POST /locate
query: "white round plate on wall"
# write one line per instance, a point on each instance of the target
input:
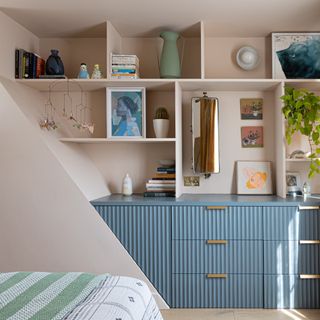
(248, 58)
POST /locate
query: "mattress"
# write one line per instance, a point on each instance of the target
(74, 296)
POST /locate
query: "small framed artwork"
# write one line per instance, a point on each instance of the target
(126, 113)
(295, 55)
(252, 137)
(251, 109)
(293, 183)
(254, 177)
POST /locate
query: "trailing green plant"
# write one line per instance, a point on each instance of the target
(302, 111)
(161, 113)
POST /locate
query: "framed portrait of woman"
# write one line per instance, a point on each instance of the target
(126, 113)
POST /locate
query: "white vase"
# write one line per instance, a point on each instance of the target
(161, 128)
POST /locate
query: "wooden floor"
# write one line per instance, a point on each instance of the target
(240, 314)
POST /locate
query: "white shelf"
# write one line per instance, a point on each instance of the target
(110, 140)
(299, 160)
(96, 84)
(229, 84)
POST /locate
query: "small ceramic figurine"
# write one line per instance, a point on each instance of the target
(96, 73)
(83, 73)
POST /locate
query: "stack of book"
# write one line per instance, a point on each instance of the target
(28, 65)
(124, 66)
(163, 184)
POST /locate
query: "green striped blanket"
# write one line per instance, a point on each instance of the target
(43, 295)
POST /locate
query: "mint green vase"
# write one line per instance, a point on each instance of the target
(170, 62)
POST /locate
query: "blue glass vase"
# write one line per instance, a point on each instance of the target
(170, 62)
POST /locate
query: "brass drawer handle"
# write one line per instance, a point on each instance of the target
(309, 241)
(217, 207)
(216, 276)
(309, 276)
(309, 207)
(217, 242)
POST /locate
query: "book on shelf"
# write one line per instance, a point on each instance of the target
(124, 76)
(160, 186)
(159, 194)
(166, 170)
(167, 181)
(165, 175)
(124, 71)
(28, 65)
(130, 59)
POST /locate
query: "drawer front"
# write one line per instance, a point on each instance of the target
(199, 222)
(291, 257)
(230, 256)
(290, 223)
(234, 291)
(289, 291)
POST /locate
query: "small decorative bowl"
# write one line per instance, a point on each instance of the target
(248, 58)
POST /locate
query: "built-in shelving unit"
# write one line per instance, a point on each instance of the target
(208, 64)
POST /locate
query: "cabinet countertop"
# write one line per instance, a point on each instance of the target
(207, 199)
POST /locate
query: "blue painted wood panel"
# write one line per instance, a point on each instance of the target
(237, 256)
(145, 232)
(198, 222)
(290, 257)
(289, 291)
(236, 291)
(288, 223)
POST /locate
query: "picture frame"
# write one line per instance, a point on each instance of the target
(254, 177)
(251, 108)
(126, 113)
(252, 137)
(295, 55)
(293, 183)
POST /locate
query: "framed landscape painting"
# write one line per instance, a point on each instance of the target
(254, 177)
(125, 113)
(296, 55)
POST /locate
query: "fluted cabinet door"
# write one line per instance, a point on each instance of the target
(145, 232)
(291, 257)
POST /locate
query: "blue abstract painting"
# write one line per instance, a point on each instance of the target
(296, 56)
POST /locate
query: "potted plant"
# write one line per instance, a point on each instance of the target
(302, 111)
(161, 123)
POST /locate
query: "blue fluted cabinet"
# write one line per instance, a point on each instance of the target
(145, 232)
(291, 257)
(202, 255)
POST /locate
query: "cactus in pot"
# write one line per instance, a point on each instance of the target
(161, 123)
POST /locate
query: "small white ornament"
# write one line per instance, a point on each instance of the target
(127, 186)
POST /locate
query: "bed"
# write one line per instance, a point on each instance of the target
(74, 296)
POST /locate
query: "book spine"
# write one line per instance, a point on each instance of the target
(21, 65)
(159, 194)
(165, 175)
(171, 181)
(31, 65)
(38, 67)
(121, 71)
(124, 66)
(166, 170)
(16, 64)
(161, 185)
(26, 60)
